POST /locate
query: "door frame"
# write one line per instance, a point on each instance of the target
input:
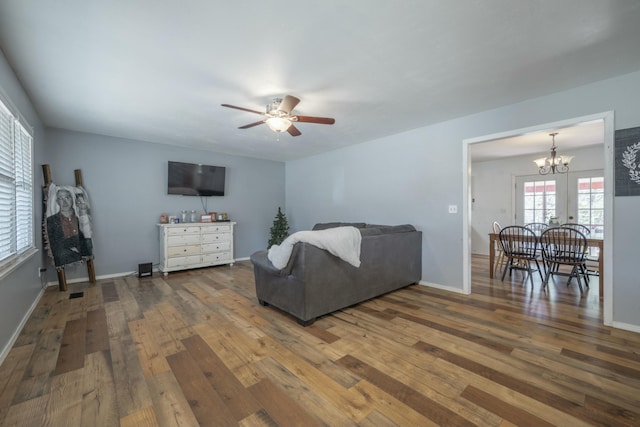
(609, 135)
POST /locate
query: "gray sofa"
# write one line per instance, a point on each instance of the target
(315, 282)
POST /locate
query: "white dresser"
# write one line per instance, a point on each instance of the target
(194, 245)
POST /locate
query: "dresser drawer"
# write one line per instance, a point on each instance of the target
(216, 258)
(174, 251)
(222, 228)
(184, 261)
(216, 247)
(194, 229)
(183, 239)
(217, 237)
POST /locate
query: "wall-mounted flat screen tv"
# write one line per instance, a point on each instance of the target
(190, 179)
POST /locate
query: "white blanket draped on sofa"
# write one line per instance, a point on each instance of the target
(343, 242)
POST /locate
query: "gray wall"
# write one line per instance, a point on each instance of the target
(406, 178)
(413, 176)
(19, 290)
(127, 185)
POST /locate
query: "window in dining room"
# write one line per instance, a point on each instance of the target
(590, 199)
(539, 199)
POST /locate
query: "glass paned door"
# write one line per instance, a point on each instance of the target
(586, 202)
(539, 201)
(539, 198)
(572, 197)
(590, 203)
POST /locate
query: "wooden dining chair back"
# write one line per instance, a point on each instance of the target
(580, 227)
(520, 250)
(591, 258)
(500, 259)
(537, 227)
(564, 246)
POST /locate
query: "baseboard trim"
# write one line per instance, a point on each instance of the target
(115, 275)
(443, 287)
(7, 348)
(106, 276)
(626, 326)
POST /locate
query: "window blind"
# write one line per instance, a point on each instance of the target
(16, 187)
(24, 188)
(7, 195)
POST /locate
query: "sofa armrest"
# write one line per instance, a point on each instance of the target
(261, 259)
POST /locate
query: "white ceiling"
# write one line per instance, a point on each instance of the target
(538, 144)
(158, 70)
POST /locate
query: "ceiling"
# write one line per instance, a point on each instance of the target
(158, 70)
(568, 139)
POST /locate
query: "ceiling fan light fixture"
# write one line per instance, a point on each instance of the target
(272, 108)
(279, 118)
(278, 124)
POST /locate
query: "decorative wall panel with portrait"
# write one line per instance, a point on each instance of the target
(67, 228)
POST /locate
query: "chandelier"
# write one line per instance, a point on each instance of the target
(553, 163)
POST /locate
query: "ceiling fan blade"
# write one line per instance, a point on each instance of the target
(288, 103)
(243, 109)
(321, 120)
(293, 131)
(250, 125)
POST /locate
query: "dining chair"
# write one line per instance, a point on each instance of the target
(500, 260)
(537, 227)
(564, 246)
(580, 227)
(591, 270)
(520, 249)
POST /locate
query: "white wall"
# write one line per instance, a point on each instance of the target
(413, 176)
(492, 191)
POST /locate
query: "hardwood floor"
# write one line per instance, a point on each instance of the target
(196, 348)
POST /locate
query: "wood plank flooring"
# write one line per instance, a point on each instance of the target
(196, 348)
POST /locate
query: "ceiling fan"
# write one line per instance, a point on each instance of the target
(279, 118)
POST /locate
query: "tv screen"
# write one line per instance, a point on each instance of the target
(189, 179)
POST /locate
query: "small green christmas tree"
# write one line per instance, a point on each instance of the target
(280, 229)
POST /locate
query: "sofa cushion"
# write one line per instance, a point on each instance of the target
(386, 229)
(325, 225)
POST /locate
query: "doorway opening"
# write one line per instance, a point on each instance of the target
(607, 120)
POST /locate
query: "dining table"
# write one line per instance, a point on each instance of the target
(594, 241)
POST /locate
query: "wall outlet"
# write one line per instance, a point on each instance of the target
(453, 208)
